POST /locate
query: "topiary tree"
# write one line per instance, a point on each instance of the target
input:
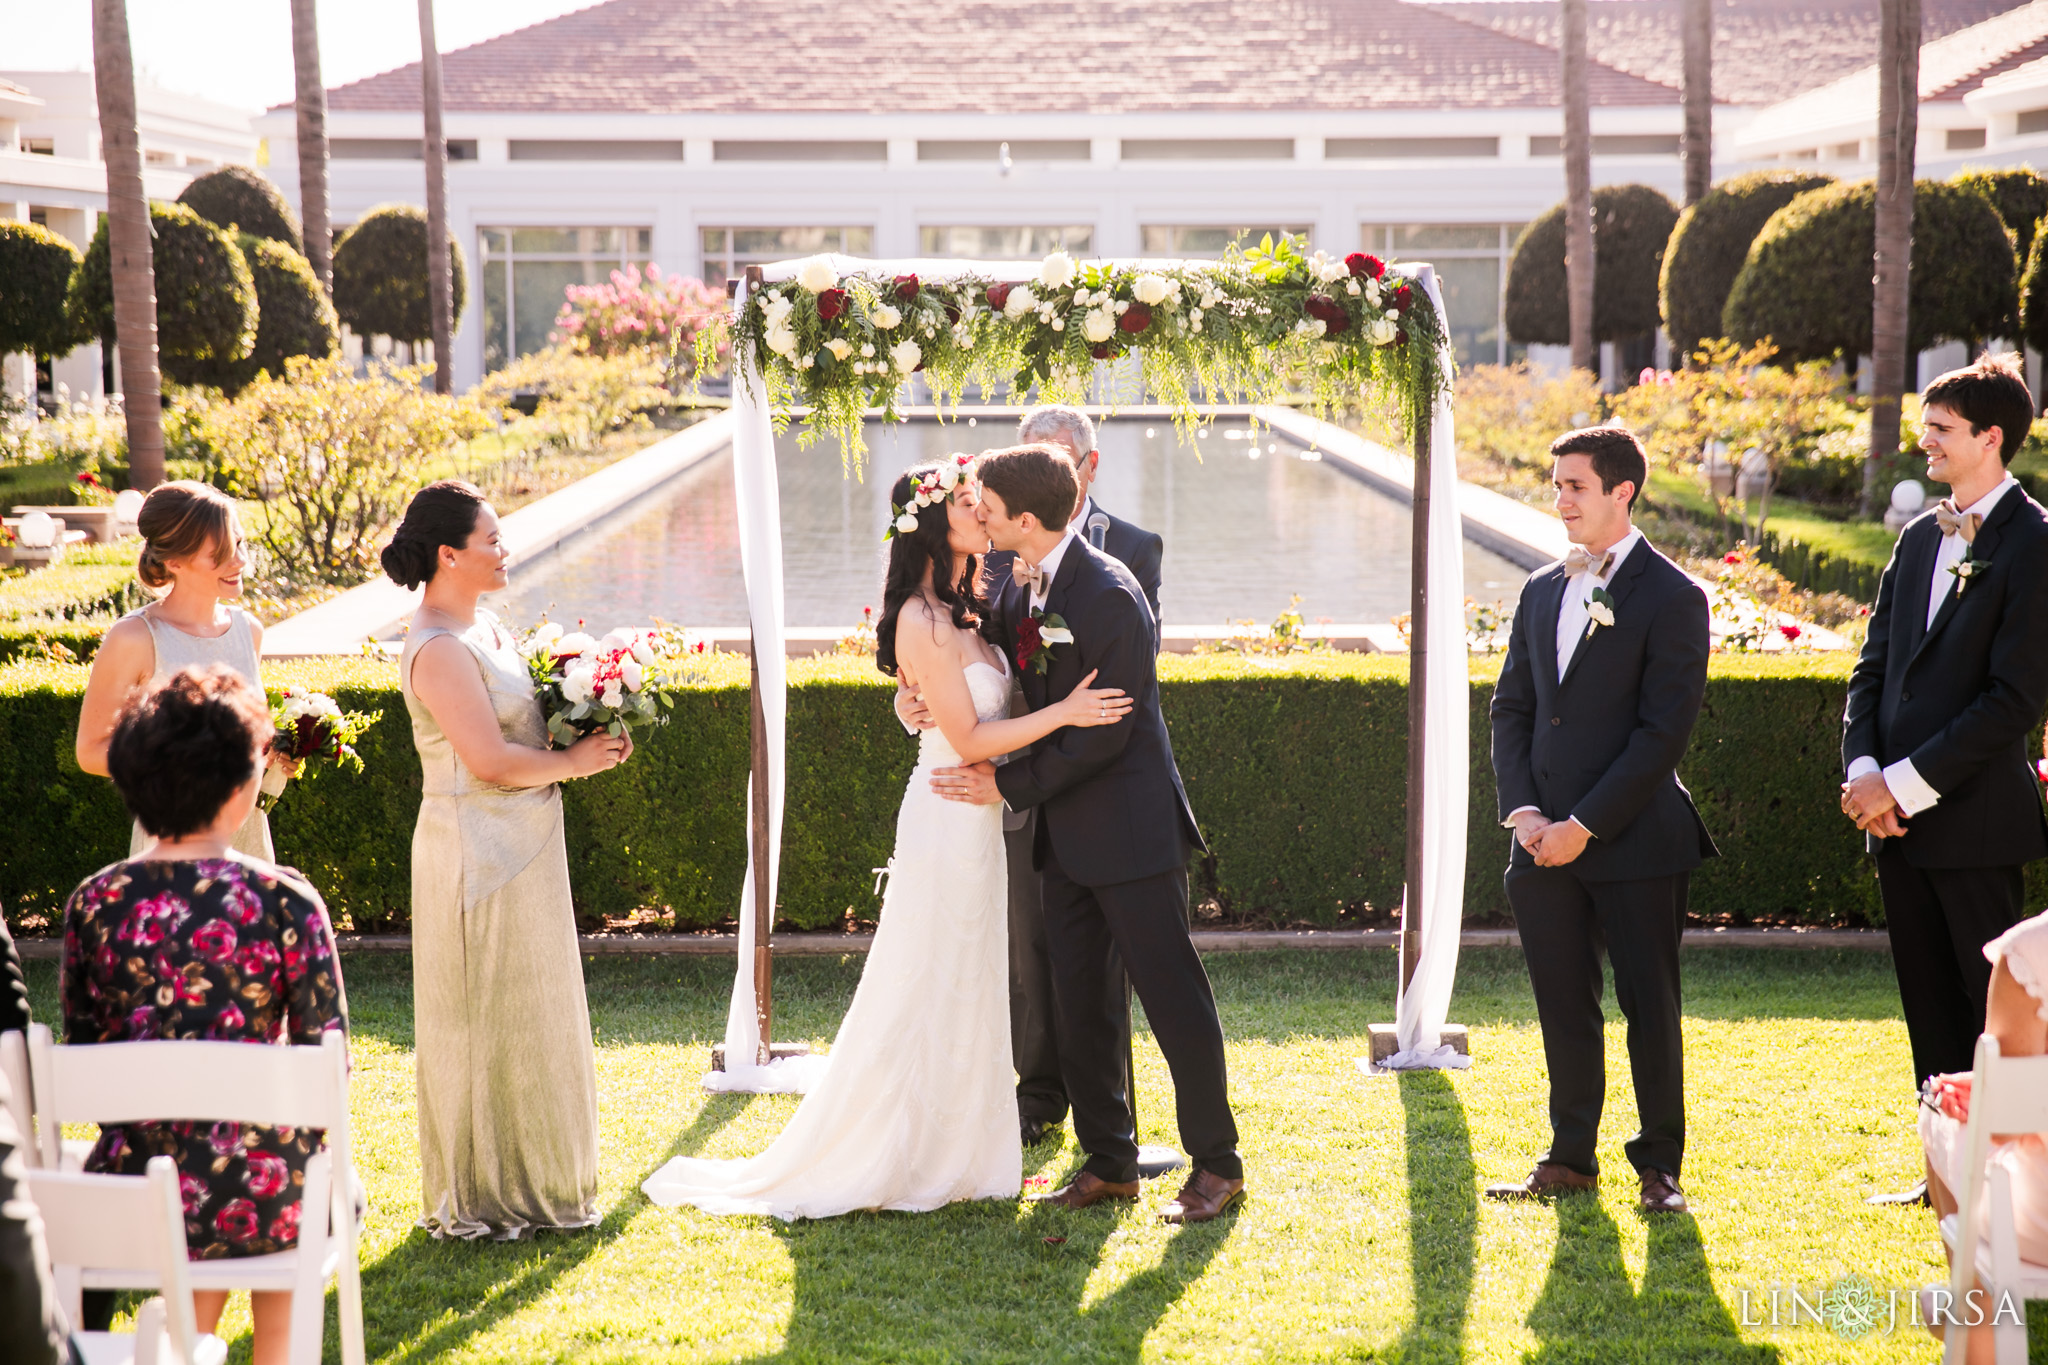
(294, 316)
(380, 275)
(1710, 243)
(1807, 282)
(2034, 294)
(205, 295)
(1631, 224)
(237, 198)
(2020, 196)
(36, 266)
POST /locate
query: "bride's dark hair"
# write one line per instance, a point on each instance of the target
(910, 554)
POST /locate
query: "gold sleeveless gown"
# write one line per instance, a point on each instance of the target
(507, 1074)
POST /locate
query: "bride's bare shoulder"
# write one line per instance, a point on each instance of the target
(923, 627)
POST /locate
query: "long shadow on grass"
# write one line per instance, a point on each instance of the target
(1443, 1217)
(1590, 1312)
(409, 1293)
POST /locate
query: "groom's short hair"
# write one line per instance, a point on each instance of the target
(1035, 479)
(1616, 453)
(1991, 393)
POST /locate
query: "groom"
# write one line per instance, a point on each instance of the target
(1112, 843)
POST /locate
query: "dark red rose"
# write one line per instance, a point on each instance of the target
(237, 1222)
(1400, 336)
(1027, 641)
(1101, 352)
(831, 304)
(89, 478)
(1136, 319)
(1361, 264)
(1327, 311)
(952, 312)
(906, 287)
(1403, 296)
(998, 295)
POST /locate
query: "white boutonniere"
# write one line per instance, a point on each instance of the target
(1967, 568)
(1600, 607)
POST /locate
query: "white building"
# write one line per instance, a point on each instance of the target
(51, 170)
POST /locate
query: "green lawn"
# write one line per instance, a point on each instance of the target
(1865, 542)
(1364, 1238)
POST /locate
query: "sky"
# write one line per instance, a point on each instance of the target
(240, 51)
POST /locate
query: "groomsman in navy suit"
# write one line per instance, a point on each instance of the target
(1951, 682)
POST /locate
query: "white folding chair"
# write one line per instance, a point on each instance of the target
(14, 1071)
(297, 1087)
(133, 1224)
(2007, 1095)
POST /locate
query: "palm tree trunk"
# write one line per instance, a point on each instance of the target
(1578, 189)
(128, 234)
(1699, 99)
(312, 111)
(440, 282)
(1898, 129)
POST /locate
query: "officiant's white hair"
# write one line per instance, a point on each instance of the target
(1070, 425)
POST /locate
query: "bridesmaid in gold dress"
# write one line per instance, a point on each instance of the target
(506, 1071)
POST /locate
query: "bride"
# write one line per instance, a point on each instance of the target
(917, 1106)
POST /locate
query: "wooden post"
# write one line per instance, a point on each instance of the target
(1418, 702)
(764, 904)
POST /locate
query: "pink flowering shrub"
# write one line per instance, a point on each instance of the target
(634, 310)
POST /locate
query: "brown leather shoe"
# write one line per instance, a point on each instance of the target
(1661, 1193)
(1205, 1196)
(1086, 1191)
(1547, 1181)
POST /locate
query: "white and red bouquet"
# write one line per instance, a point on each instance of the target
(621, 682)
(310, 726)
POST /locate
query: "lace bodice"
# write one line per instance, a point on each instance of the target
(989, 687)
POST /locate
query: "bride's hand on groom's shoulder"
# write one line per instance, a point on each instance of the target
(1089, 706)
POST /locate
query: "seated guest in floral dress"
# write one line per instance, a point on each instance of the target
(191, 939)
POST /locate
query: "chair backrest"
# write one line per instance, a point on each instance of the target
(298, 1087)
(2007, 1095)
(14, 1080)
(119, 1222)
(2014, 1092)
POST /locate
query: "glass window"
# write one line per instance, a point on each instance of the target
(1208, 242)
(525, 269)
(1003, 243)
(1471, 261)
(728, 250)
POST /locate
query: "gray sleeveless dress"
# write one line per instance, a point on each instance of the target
(506, 1070)
(237, 649)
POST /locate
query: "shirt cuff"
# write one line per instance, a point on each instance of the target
(1582, 825)
(1509, 823)
(1864, 767)
(1910, 789)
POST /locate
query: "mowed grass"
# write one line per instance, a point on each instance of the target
(1364, 1237)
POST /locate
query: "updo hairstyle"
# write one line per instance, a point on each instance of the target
(440, 514)
(183, 746)
(178, 520)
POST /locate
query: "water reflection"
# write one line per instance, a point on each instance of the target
(1246, 526)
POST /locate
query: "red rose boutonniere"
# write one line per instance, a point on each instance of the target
(1036, 635)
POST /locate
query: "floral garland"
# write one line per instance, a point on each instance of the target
(1264, 325)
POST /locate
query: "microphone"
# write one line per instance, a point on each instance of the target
(1098, 527)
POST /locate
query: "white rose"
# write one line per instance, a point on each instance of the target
(1352, 289)
(1098, 326)
(1056, 271)
(1600, 612)
(1311, 327)
(1020, 302)
(817, 275)
(963, 336)
(782, 341)
(612, 696)
(630, 670)
(949, 478)
(906, 355)
(615, 639)
(867, 350)
(577, 685)
(1149, 289)
(885, 318)
(1195, 317)
(776, 310)
(548, 633)
(1059, 324)
(1381, 332)
(643, 651)
(1372, 291)
(575, 643)
(840, 347)
(906, 523)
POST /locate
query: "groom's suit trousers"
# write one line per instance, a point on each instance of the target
(1563, 920)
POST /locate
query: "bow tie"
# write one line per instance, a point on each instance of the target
(1578, 561)
(1954, 523)
(1026, 575)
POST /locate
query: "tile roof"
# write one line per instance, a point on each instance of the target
(1764, 50)
(1066, 56)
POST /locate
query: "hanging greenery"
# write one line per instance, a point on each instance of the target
(1264, 325)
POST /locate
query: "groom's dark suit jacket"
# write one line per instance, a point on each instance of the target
(1959, 697)
(1140, 551)
(1603, 742)
(1111, 801)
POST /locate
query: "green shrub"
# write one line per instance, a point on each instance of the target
(2034, 295)
(1806, 284)
(36, 266)
(205, 295)
(1631, 224)
(380, 275)
(2020, 196)
(1295, 771)
(240, 199)
(92, 581)
(1710, 243)
(295, 316)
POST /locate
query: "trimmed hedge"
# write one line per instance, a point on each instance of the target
(1631, 224)
(240, 199)
(380, 275)
(205, 295)
(1711, 242)
(1806, 284)
(1294, 767)
(2034, 295)
(294, 315)
(2020, 195)
(36, 266)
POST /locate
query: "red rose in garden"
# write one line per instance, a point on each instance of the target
(831, 304)
(1027, 641)
(1327, 311)
(998, 295)
(1135, 319)
(237, 1222)
(1361, 264)
(89, 479)
(906, 287)
(1731, 558)
(1789, 632)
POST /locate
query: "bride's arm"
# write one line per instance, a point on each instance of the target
(927, 646)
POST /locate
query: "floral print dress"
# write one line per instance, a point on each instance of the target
(206, 949)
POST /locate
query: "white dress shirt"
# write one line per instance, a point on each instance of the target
(1079, 525)
(1907, 787)
(1050, 565)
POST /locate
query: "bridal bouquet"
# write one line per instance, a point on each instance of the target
(309, 726)
(621, 682)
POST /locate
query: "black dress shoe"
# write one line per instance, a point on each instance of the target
(1033, 1131)
(1660, 1193)
(1903, 1199)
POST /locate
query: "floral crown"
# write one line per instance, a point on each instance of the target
(929, 490)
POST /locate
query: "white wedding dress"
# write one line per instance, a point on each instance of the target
(917, 1106)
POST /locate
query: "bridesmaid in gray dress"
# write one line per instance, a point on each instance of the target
(506, 1071)
(192, 546)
